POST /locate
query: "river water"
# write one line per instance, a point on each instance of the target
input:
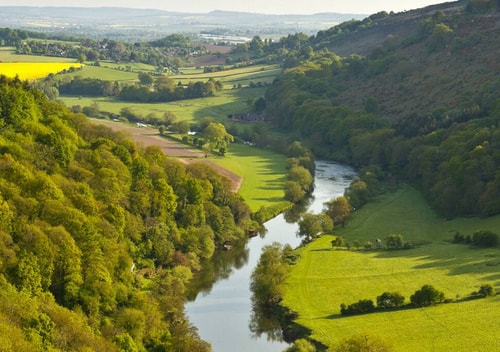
(221, 306)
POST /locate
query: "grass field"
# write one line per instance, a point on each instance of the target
(234, 77)
(7, 54)
(218, 107)
(325, 278)
(263, 174)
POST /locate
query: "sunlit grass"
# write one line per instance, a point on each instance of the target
(263, 174)
(193, 110)
(324, 278)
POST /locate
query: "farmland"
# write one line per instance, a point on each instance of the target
(33, 70)
(324, 278)
(29, 67)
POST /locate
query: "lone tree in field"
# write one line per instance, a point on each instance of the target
(427, 296)
(216, 137)
(312, 225)
(339, 210)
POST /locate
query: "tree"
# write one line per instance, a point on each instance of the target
(269, 277)
(390, 300)
(312, 225)
(339, 209)
(394, 241)
(169, 118)
(486, 290)
(338, 241)
(293, 192)
(427, 296)
(181, 127)
(484, 238)
(146, 79)
(302, 176)
(301, 345)
(216, 136)
(363, 343)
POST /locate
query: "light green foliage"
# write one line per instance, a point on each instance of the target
(363, 343)
(216, 136)
(84, 215)
(339, 210)
(269, 277)
(301, 345)
(312, 225)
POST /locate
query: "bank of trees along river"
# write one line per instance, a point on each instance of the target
(99, 236)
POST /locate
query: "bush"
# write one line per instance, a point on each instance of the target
(390, 300)
(483, 238)
(485, 291)
(427, 296)
(360, 307)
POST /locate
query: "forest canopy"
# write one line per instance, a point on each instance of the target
(98, 237)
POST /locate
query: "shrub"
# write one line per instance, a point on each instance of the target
(485, 291)
(360, 307)
(427, 296)
(390, 300)
(483, 238)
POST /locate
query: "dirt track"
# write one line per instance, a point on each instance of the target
(148, 136)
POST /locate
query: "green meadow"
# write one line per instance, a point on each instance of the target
(263, 174)
(193, 110)
(7, 54)
(324, 278)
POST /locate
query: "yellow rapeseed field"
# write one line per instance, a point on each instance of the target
(33, 70)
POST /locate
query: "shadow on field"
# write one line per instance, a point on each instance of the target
(455, 259)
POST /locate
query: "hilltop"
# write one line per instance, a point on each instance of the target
(149, 24)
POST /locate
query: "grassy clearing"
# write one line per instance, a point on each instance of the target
(263, 172)
(324, 278)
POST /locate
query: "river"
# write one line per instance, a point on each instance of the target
(221, 305)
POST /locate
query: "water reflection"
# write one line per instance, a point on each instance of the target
(265, 323)
(293, 214)
(220, 267)
(220, 298)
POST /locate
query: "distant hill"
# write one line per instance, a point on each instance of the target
(130, 23)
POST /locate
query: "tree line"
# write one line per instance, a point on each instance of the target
(426, 296)
(161, 89)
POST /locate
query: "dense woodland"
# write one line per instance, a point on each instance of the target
(86, 219)
(422, 108)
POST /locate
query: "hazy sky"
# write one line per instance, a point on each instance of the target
(258, 6)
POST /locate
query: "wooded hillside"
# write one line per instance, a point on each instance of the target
(422, 106)
(98, 237)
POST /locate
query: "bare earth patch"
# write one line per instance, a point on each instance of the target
(144, 136)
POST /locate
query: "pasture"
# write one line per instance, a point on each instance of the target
(233, 77)
(7, 54)
(263, 174)
(193, 110)
(325, 277)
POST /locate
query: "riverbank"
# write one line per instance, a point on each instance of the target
(324, 278)
(222, 308)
